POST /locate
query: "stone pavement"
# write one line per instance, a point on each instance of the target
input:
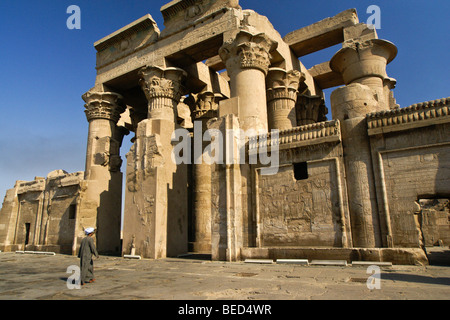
(43, 277)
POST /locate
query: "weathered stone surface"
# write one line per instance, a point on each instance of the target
(125, 41)
(282, 89)
(369, 183)
(42, 214)
(180, 14)
(322, 34)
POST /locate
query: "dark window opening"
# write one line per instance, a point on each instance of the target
(301, 171)
(27, 233)
(72, 211)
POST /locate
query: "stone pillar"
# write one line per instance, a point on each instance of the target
(203, 107)
(363, 68)
(282, 90)
(103, 195)
(155, 218)
(227, 216)
(247, 59)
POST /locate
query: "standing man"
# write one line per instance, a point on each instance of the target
(87, 249)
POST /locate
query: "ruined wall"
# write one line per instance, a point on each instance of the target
(411, 156)
(42, 214)
(8, 218)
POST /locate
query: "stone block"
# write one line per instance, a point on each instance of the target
(293, 261)
(259, 261)
(322, 34)
(229, 106)
(370, 263)
(341, 263)
(129, 256)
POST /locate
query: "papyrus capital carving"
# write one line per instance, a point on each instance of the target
(103, 105)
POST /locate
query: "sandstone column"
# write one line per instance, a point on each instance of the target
(203, 107)
(247, 59)
(102, 206)
(282, 90)
(363, 67)
(155, 219)
(365, 63)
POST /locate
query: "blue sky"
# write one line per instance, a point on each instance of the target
(46, 67)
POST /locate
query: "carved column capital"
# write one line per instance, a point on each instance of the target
(281, 90)
(310, 109)
(282, 84)
(103, 105)
(363, 59)
(248, 51)
(162, 87)
(203, 105)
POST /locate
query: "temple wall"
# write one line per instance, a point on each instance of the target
(42, 214)
(304, 203)
(300, 212)
(411, 166)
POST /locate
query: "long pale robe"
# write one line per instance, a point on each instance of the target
(87, 250)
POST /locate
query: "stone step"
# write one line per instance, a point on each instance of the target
(328, 263)
(259, 261)
(36, 252)
(129, 256)
(371, 263)
(293, 261)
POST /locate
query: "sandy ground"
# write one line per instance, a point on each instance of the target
(42, 277)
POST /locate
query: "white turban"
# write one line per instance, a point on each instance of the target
(89, 230)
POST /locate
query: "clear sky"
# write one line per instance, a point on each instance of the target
(45, 67)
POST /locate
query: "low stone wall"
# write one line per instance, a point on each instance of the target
(399, 256)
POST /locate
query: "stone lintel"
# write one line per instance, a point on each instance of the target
(31, 186)
(325, 77)
(141, 24)
(182, 48)
(215, 63)
(179, 14)
(322, 34)
(56, 178)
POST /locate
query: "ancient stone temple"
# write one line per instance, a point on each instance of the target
(233, 153)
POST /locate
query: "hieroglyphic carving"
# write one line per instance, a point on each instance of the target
(141, 163)
(296, 213)
(140, 34)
